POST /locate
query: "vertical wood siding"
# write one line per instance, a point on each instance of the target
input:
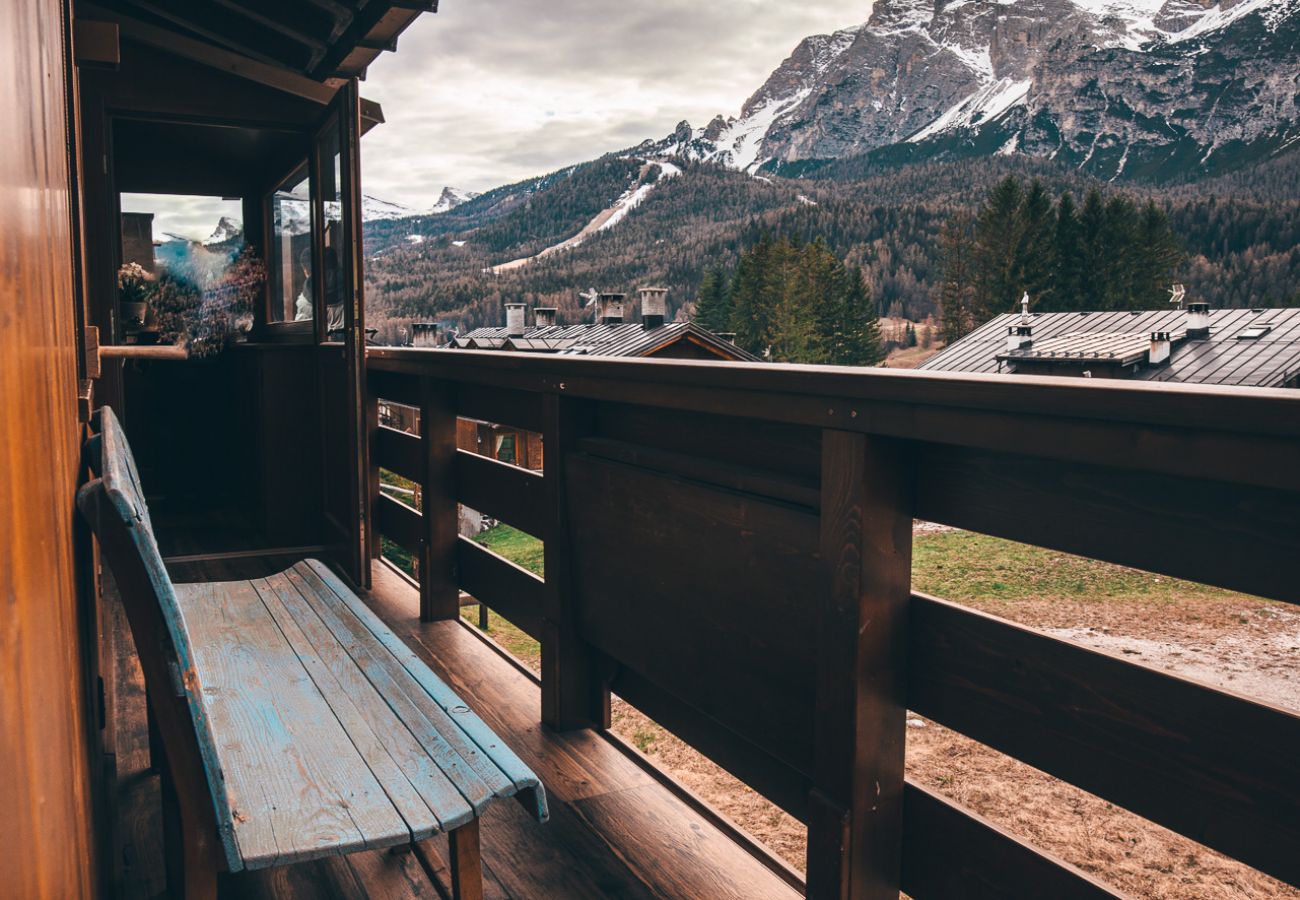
(44, 773)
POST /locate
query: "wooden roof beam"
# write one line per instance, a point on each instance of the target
(363, 28)
(271, 75)
(206, 21)
(273, 19)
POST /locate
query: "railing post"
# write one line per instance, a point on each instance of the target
(572, 694)
(439, 593)
(374, 546)
(855, 806)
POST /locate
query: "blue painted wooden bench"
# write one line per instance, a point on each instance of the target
(294, 724)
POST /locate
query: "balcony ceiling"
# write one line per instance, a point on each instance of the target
(321, 39)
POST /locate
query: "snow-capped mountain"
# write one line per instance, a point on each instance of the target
(227, 230)
(452, 198)
(373, 209)
(1118, 87)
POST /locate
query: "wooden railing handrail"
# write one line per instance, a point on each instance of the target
(785, 495)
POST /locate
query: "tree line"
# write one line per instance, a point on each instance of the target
(1106, 254)
(793, 301)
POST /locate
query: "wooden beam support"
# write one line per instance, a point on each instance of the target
(96, 44)
(572, 695)
(855, 806)
(439, 593)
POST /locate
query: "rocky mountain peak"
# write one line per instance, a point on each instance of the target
(1118, 87)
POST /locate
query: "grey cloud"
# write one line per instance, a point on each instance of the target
(564, 82)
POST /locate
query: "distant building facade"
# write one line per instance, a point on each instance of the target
(1250, 347)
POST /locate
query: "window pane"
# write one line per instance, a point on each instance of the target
(332, 195)
(290, 250)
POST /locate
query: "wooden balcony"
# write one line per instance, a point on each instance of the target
(785, 495)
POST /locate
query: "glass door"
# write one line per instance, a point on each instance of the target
(339, 329)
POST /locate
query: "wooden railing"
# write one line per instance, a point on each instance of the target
(727, 547)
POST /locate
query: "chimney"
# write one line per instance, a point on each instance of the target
(424, 334)
(654, 306)
(728, 336)
(1160, 344)
(516, 319)
(544, 316)
(609, 309)
(1198, 320)
(1020, 337)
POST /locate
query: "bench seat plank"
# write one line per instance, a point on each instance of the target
(514, 772)
(423, 794)
(296, 784)
(394, 761)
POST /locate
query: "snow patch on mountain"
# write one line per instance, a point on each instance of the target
(373, 209)
(451, 198)
(227, 230)
(985, 105)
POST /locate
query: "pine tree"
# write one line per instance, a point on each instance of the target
(1159, 253)
(1067, 276)
(1092, 252)
(999, 233)
(713, 303)
(1036, 253)
(957, 290)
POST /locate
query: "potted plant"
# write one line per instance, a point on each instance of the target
(135, 289)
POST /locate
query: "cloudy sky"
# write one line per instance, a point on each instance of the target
(487, 92)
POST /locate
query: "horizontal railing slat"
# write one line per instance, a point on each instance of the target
(520, 408)
(949, 852)
(502, 491)
(399, 523)
(399, 388)
(1215, 767)
(501, 586)
(400, 453)
(1227, 535)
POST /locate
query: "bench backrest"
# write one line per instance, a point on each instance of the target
(114, 505)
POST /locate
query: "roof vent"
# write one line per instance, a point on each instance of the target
(1020, 337)
(1255, 332)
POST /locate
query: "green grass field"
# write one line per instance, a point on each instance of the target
(991, 574)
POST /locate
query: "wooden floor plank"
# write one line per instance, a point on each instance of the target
(407, 775)
(296, 784)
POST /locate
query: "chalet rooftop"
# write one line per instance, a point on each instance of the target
(1249, 347)
(590, 339)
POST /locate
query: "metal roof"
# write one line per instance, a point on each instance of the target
(629, 339)
(1228, 356)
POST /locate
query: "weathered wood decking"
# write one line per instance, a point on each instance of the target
(614, 831)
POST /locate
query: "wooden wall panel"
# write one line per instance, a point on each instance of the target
(44, 770)
(675, 578)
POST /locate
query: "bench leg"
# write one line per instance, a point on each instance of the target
(466, 864)
(191, 857)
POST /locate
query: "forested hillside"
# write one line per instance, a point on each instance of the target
(1240, 235)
